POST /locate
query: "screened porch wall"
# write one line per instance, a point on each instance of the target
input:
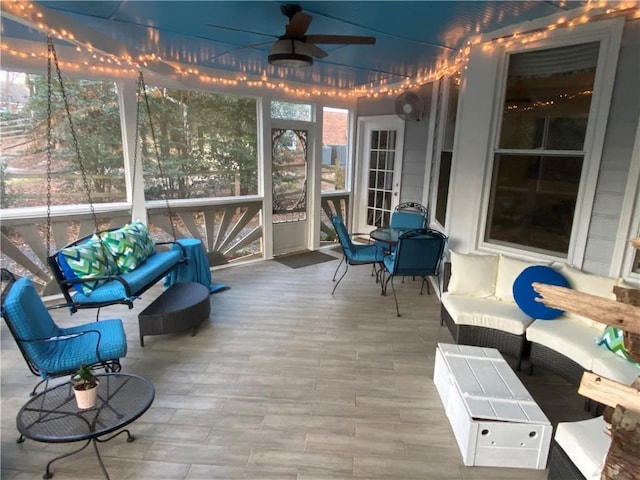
(230, 230)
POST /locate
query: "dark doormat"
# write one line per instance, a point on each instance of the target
(299, 260)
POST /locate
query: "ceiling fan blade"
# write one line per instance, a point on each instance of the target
(298, 25)
(341, 39)
(291, 45)
(235, 49)
(315, 51)
(233, 29)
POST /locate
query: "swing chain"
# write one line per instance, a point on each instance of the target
(74, 136)
(142, 90)
(49, 143)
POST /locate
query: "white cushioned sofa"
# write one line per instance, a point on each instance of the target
(478, 308)
(579, 450)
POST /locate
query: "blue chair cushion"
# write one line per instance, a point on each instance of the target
(363, 254)
(54, 350)
(152, 268)
(525, 296)
(72, 351)
(29, 319)
(407, 220)
(389, 261)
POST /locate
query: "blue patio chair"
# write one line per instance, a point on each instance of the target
(418, 253)
(49, 350)
(409, 215)
(354, 254)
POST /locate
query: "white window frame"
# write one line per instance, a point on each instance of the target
(609, 34)
(443, 94)
(624, 252)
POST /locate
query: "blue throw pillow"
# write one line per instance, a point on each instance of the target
(525, 296)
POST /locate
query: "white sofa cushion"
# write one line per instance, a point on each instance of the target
(486, 312)
(616, 368)
(472, 274)
(586, 443)
(570, 337)
(508, 270)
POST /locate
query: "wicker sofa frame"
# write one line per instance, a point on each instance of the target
(506, 343)
(560, 465)
(545, 357)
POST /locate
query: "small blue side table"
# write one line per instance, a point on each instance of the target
(195, 268)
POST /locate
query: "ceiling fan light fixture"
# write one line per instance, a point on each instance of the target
(288, 52)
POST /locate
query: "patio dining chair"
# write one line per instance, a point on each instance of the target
(409, 215)
(354, 254)
(49, 350)
(418, 253)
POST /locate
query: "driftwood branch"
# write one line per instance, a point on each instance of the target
(609, 392)
(603, 310)
(623, 461)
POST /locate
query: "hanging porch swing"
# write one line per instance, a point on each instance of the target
(112, 266)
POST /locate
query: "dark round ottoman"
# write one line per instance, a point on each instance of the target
(181, 306)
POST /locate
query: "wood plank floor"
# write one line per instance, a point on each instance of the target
(284, 381)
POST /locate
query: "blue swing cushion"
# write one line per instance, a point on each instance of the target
(90, 259)
(525, 296)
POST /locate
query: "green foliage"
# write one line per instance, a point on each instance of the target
(84, 378)
(207, 144)
(95, 117)
(7, 196)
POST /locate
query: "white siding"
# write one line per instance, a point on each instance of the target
(616, 156)
(415, 142)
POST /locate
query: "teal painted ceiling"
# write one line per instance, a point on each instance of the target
(412, 37)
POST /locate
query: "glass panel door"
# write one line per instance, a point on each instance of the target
(379, 170)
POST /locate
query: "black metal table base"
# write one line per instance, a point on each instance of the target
(48, 473)
(53, 416)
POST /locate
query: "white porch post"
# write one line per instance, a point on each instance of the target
(128, 107)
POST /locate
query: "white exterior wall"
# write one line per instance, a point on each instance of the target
(473, 152)
(471, 149)
(616, 158)
(412, 185)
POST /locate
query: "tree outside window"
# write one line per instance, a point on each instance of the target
(207, 145)
(95, 117)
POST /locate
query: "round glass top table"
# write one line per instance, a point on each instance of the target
(53, 416)
(388, 235)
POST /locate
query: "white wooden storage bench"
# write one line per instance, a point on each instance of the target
(495, 420)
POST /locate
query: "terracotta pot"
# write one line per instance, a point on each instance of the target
(86, 398)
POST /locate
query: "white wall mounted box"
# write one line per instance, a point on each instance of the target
(495, 420)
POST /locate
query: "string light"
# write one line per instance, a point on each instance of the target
(126, 65)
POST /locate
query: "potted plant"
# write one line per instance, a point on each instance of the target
(84, 386)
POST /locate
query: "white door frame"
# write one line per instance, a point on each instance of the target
(361, 178)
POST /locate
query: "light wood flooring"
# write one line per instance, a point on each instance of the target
(284, 381)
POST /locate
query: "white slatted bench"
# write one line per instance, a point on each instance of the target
(495, 420)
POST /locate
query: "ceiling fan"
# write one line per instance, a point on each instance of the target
(296, 49)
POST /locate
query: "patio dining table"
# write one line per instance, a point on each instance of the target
(388, 235)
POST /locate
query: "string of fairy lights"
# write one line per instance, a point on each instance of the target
(124, 65)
